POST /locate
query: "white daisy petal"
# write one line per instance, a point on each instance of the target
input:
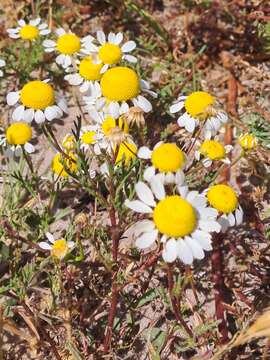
(60, 31)
(74, 79)
(21, 22)
(144, 153)
(114, 109)
(208, 225)
(50, 113)
(138, 206)
(149, 173)
(39, 117)
(195, 248)
(111, 37)
(28, 115)
(239, 216)
(203, 238)
(45, 32)
(231, 219)
(130, 58)
(176, 107)
(18, 113)
(157, 187)
(144, 104)
(50, 237)
(184, 252)
(224, 223)
(101, 37)
(118, 38)
(44, 245)
(49, 43)
(145, 194)
(35, 22)
(13, 97)
(147, 239)
(169, 252)
(29, 148)
(142, 227)
(104, 68)
(128, 46)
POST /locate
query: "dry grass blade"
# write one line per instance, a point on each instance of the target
(260, 328)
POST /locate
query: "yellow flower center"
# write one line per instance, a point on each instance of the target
(29, 32)
(120, 84)
(167, 158)
(89, 70)
(110, 123)
(126, 152)
(213, 150)
(197, 104)
(59, 164)
(223, 198)
(59, 248)
(110, 53)
(174, 216)
(68, 44)
(88, 137)
(247, 142)
(69, 142)
(18, 133)
(37, 95)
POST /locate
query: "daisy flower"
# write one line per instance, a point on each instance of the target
(110, 52)
(68, 45)
(211, 151)
(248, 142)
(87, 73)
(60, 164)
(197, 109)
(224, 199)
(30, 31)
(182, 222)
(58, 248)
(38, 102)
(2, 64)
(17, 137)
(118, 87)
(166, 158)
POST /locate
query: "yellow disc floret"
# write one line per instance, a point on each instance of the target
(59, 249)
(247, 142)
(29, 32)
(213, 149)
(223, 198)
(89, 70)
(197, 103)
(88, 137)
(120, 84)
(69, 142)
(18, 133)
(167, 158)
(110, 123)
(110, 53)
(126, 152)
(60, 162)
(68, 44)
(37, 95)
(174, 216)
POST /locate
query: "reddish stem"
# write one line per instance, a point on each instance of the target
(218, 280)
(174, 301)
(112, 313)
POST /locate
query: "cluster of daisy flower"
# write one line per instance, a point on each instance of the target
(115, 98)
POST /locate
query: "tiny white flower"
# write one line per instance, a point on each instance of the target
(29, 31)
